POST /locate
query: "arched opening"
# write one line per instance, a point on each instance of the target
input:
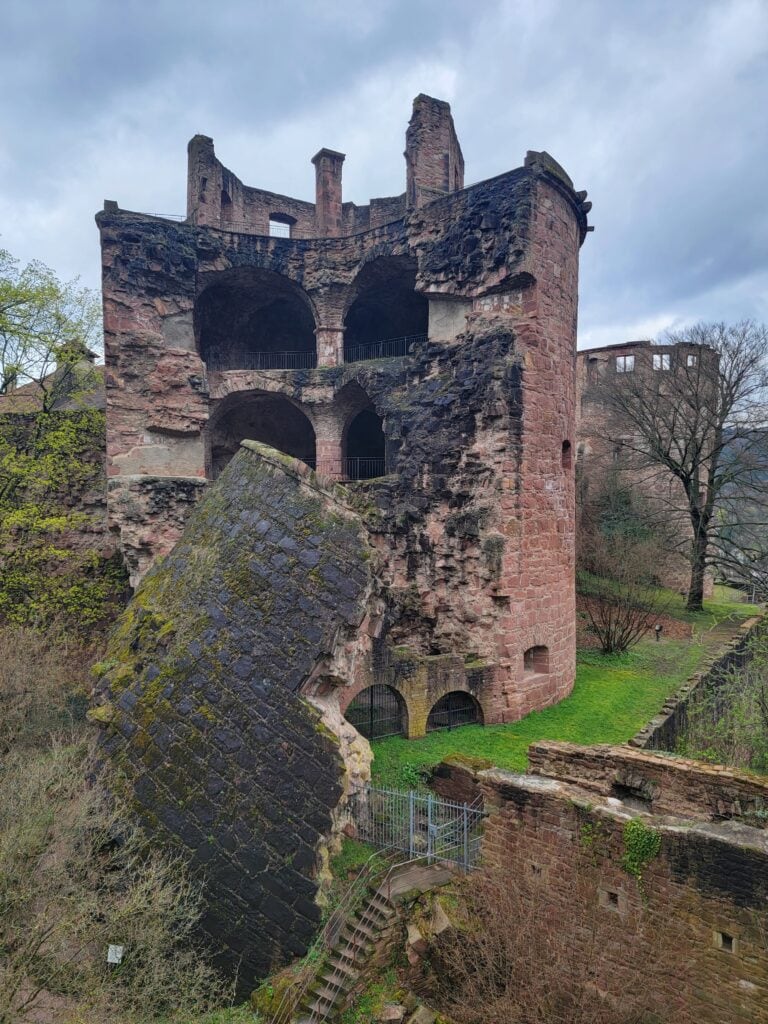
(255, 320)
(378, 711)
(536, 660)
(387, 316)
(455, 709)
(271, 419)
(565, 456)
(364, 447)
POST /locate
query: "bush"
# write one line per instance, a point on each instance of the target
(729, 723)
(76, 875)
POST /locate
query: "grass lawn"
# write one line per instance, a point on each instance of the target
(614, 696)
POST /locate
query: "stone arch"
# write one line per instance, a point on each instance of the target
(378, 711)
(384, 306)
(363, 441)
(249, 318)
(454, 709)
(264, 416)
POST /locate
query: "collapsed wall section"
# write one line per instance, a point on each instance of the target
(200, 704)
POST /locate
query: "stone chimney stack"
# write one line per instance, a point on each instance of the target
(433, 159)
(328, 192)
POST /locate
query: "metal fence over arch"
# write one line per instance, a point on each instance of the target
(419, 825)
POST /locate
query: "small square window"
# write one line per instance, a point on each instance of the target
(661, 361)
(610, 899)
(725, 941)
(625, 364)
(691, 359)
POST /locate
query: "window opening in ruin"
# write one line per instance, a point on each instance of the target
(625, 364)
(378, 711)
(725, 942)
(387, 317)
(255, 320)
(271, 419)
(454, 710)
(613, 899)
(536, 660)
(661, 360)
(364, 449)
(280, 225)
(565, 457)
(691, 360)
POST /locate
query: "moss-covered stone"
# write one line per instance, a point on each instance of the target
(199, 700)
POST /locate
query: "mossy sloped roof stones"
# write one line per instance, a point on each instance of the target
(221, 755)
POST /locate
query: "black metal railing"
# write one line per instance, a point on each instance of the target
(222, 360)
(452, 711)
(388, 348)
(349, 469)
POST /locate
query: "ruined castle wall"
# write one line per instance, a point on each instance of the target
(200, 704)
(683, 934)
(687, 940)
(475, 524)
(603, 461)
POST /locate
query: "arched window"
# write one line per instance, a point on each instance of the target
(364, 448)
(536, 660)
(565, 456)
(250, 319)
(378, 711)
(387, 315)
(453, 710)
(271, 419)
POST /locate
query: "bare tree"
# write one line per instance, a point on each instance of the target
(699, 410)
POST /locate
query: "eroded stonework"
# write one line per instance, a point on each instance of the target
(421, 349)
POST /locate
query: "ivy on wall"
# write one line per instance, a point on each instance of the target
(55, 560)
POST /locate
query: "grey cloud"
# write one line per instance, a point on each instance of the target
(656, 108)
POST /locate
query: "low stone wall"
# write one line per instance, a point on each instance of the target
(665, 730)
(682, 937)
(656, 783)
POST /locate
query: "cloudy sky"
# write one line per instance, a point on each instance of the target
(658, 107)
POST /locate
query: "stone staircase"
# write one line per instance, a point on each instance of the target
(358, 937)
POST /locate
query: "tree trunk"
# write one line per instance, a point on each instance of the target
(695, 602)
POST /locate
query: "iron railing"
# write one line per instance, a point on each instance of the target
(419, 825)
(377, 712)
(376, 869)
(454, 710)
(217, 359)
(350, 469)
(385, 349)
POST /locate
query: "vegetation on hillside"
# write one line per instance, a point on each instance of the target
(729, 723)
(76, 874)
(52, 563)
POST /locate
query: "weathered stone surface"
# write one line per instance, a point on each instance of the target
(221, 754)
(475, 525)
(685, 941)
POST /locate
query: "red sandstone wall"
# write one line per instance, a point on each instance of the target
(654, 946)
(538, 572)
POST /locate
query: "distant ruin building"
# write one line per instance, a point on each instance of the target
(604, 444)
(421, 351)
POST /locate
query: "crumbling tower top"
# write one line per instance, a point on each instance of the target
(433, 158)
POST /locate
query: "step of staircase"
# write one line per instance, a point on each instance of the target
(357, 941)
